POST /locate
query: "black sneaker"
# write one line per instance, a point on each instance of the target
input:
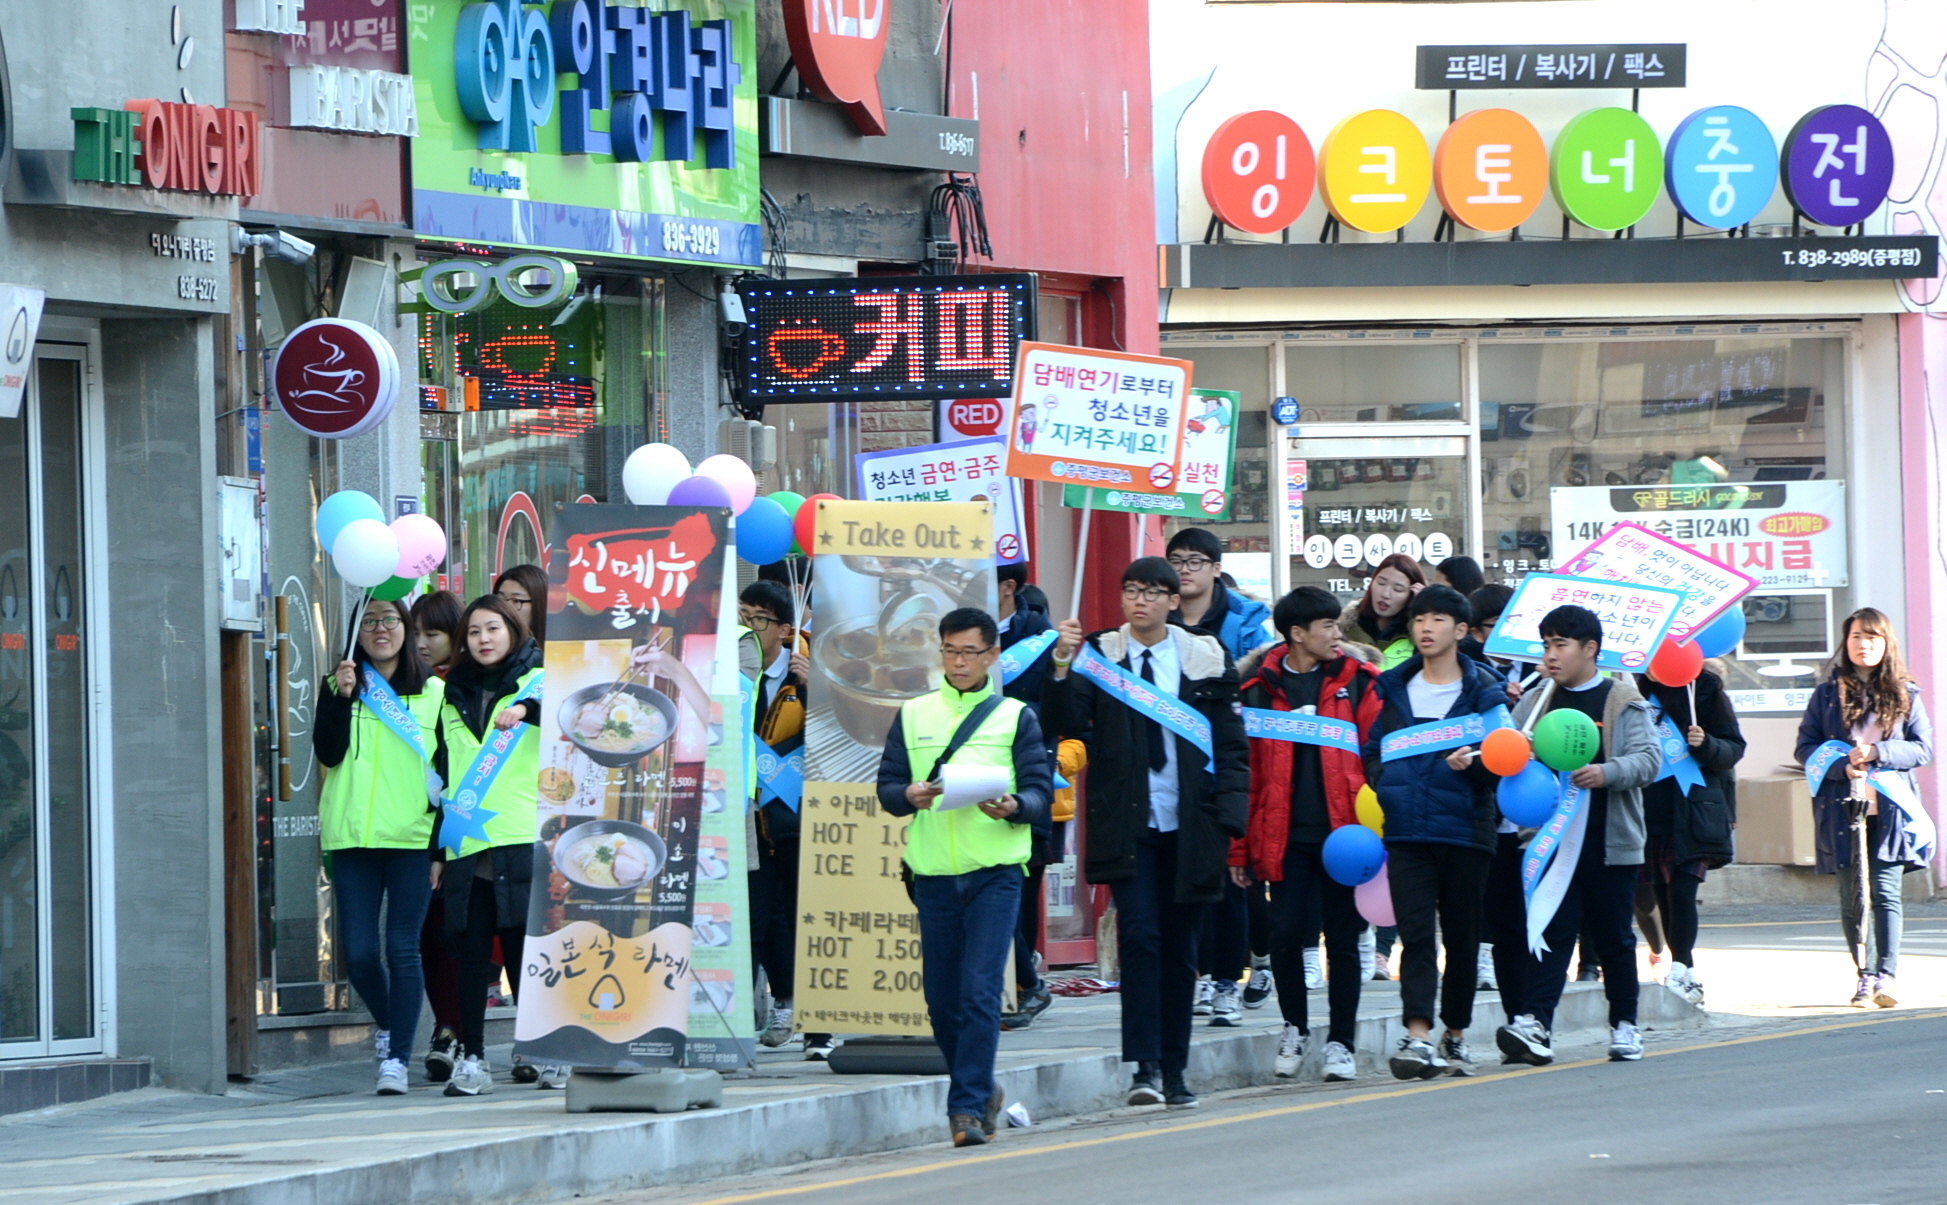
(1177, 1094)
(1033, 1004)
(1147, 1087)
(442, 1054)
(1588, 972)
(1258, 988)
(525, 1072)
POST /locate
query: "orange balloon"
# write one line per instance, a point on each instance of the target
(1505, 752)
(1491, 170)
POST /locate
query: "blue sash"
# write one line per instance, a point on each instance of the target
(1015, 661)
(1678, 763)
(1301, 728)
(1551, 858)
(780, 776)
(1145, 700)
(465, 816)
(382, 701)
(1440, 735)
(1891, 787)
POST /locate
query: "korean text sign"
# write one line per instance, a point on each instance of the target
(1785, 534)
(1634, 618)
(965, 470)
(1088, 417)
(859, 968)
(1631, 553)
(1204, 486)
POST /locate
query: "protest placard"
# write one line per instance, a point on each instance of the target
(1634, 618)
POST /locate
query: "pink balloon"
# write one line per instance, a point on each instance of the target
(733, 475)
(422, 544)
(699, 491)
(1375, 899)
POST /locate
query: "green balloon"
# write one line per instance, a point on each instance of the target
(394, 588)
(790, 502)
(1566, 740)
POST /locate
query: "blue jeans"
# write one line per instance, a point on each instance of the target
(965, 924)
(1883, 951)
(401, 879)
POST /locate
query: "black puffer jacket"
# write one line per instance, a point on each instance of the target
(1698, 821)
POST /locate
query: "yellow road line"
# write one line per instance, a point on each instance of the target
(1283, 1111)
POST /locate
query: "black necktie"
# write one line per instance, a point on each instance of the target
(1157, 758)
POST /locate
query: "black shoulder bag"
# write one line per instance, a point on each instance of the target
(961, 735)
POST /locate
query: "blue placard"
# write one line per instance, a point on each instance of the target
(1634, 618)
(1721, 166)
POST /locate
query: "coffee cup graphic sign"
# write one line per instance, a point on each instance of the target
(335, 378)
(837, 46)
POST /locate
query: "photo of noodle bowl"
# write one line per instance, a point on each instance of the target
(609, 856)
(616, 727)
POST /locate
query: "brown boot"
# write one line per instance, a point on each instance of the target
(992, 1122)
(966, 1130)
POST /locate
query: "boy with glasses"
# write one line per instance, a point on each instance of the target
(1167, 791)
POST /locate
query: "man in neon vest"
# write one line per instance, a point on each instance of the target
(967, 862)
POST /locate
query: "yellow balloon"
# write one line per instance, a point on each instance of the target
(1366, 806)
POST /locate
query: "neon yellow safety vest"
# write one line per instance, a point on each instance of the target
(515, 794)
(376, 797)
(964, 839)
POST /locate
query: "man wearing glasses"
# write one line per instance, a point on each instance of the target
(1240, 623)
(1163, 806)
(968, 858)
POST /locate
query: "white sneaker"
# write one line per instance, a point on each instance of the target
(778, 1032)
(1413, 1058)
(392, 1078)
(1683, 981)
(1291, 1051)
(1339, 1067)
(553, 1075)
(472, 1076)
(1459, 1059)
(1368, 954)
(1484, 970)
(1226, 1008)
(1206, 996)
(819, 1047)
(1314, 970)
(1525, 1040)
(1260, 985)
(1625, 1044)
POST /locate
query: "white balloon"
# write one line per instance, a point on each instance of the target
(651, 471)
(734, 476)
(366, 553)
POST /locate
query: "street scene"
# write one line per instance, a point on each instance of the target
(640, 602)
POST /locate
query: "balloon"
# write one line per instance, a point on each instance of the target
(698, 491)
(1528, 799)
(394, 588)
(791, 502)
(422, 545)
(733, 475)
(365, 552)
(1374, 898)
(341, 508)
(1722, 634)
(1370, 814)
(651, 471)
(806, 524)
(1505, 751)
(1353, 854)
(1566, 740)
(763, 532)
(1676, 664)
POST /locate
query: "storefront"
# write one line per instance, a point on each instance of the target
(1493, 334)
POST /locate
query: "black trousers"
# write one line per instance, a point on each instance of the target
(1504, 922)
(477, 970)
(1294, 926)
(1438, 883)
(1224, 939)
(774, 916)
(1157, 939)
(1600, 904)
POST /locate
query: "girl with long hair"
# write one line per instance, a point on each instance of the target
(1870, 703)
(436, 621)
(1378, 620)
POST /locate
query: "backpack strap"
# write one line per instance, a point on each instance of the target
(964, 733)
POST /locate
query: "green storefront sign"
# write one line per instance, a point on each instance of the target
(1209, 450)
(589, 128)
(1607, 168)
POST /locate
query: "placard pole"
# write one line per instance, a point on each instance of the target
(358, 617)
(1081, 555)
(1541, 706)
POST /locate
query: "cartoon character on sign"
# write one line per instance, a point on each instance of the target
(837, 46)
(1215, 414)
(1028, 424)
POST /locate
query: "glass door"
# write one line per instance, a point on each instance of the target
(49, 961)
(1353, 502)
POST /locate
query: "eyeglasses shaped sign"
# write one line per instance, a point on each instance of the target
(1376, 171)
(1838, 165)
(1721, 166)
(1490, 170)
(1258, 172)
(1606, 168)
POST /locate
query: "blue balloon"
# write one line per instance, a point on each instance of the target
(1722, 634)
(1528, 799)
(341, 508)
(763, 532)
(1353, 854)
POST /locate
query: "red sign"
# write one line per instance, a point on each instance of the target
(197, 148)
(972, 417)
(837, 45)
(1258, 172)
(639, 570)
(336, 378)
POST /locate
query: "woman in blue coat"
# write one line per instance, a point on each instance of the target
(1869, 703)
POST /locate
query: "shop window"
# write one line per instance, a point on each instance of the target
(1356, 382)
(1246, 529)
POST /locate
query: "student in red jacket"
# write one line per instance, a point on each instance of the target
(1300, 792)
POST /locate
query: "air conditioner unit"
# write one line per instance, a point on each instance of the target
(751, 442)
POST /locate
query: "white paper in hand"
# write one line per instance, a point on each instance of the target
(964, 786)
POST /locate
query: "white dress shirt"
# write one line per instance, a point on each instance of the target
(1163, 790)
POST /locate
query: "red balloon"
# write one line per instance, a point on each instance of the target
(1677, 664)
(805, 524)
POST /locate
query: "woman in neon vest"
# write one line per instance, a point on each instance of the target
(484, 888)
(375, 818)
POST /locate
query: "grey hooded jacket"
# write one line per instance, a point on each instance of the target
(1629, 760)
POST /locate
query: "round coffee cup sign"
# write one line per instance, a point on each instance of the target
(335, 378)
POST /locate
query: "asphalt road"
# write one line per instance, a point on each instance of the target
(1850, 1110)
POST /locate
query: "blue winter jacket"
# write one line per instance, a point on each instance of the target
(1240, 623)
(1424, 799)
(1901, 752)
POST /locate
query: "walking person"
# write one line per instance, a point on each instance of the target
(1027, 642)
(1374, 628)
(1503, 915)
(967, 863)
(1602, 850)
(1688, 814)
(377, 737)
(436, 624)
(1422, 758)
(1869, 706)
(1167, 791)
(494, 686)
(1304, 785)
(525, 589)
